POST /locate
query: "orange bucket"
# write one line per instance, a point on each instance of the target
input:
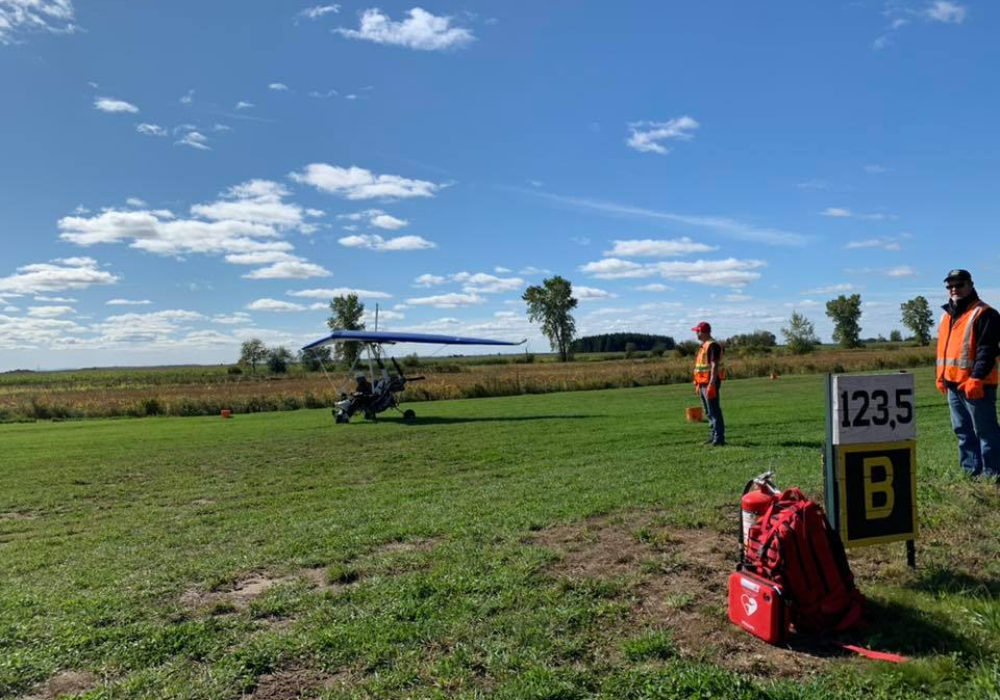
(695, 415)
(226, 413)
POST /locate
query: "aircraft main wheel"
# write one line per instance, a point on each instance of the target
(409, 414)
(369, 415)
(341, 418)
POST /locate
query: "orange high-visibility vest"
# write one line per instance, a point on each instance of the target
(956, 347)
(703, 368)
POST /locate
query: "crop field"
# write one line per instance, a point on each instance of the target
(560, 545)
(202, 391)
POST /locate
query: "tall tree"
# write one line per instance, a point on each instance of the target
(347, 315)
(550, 303)
(253, 352)
(278, 359)
(846, 314)
(312, 359)
(800, 336)
(918, 318)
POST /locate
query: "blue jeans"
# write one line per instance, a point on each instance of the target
(975, 424)
(713, 409)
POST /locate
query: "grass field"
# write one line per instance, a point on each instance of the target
(567, 545)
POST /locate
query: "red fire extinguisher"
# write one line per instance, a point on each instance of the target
(759, 493)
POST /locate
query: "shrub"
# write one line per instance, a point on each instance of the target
(234, 370)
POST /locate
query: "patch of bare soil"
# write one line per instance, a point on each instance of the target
(406, 546)
(678, 579)
(238, 597)
(292, 684)
(13, 515)
(64, 683)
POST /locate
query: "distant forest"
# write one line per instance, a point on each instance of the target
(616, 342)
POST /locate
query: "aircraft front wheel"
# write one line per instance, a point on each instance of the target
(409, 414)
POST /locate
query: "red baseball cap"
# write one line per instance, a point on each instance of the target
(703, 326)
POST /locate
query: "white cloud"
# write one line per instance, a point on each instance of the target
(720, 224)
(275, 305)
(50, 311)
(194, 139)
(151, 129)
(813, 185)
(110, 104)
(947, 12)
(429, 280)
(383, 315)
(422, 31)
(55, 300)
(448, 301)
(244, 105)
(375, 242)
(188, 98)
(615, 268)
(232, 319)
(358, 183)
(318, 11)
(296, 269)
(841, 213)
(132, 328)
(836, 212)
(658, 248)
(654, 287)
(246, 224)
(591, 293)
(730, 272)
(376, 218)
(531, 270)
(257, 201)
(337, 292)
(482, 283)
(646, 136)
(24, 333)
(55, 16)
(66, 273)
(831, 289)
(128, 302)
(280, 87)
(737, 297)
(502, 270)
(135, 202)
(885, 243)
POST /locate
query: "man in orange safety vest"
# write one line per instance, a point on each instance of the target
(967, 347)
(708, 375)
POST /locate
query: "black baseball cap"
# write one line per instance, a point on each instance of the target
(958, 275)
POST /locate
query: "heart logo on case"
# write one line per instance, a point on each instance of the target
(749, 604)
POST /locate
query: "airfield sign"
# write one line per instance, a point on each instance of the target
(870, 472)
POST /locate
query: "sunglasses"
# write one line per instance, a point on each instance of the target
(955, 285)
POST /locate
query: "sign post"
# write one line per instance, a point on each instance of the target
(870, 467)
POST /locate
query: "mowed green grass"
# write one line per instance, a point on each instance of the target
(424, 536)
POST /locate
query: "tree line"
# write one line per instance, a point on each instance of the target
(551, 304)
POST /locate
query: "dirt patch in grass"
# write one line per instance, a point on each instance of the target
(239, 595)
(678, 579)
(12, 515)
(291, 684)
(64, 683)
(407, 546)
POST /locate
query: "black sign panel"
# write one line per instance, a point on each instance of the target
(878, 492)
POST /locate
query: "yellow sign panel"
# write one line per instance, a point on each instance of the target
(878, 492)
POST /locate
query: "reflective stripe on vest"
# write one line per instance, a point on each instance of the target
(956, 354)
(703, 368)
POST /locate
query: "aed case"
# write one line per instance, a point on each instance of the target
(758, 606)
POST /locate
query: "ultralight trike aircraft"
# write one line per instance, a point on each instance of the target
(375, 394)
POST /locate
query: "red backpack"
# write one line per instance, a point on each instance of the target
(793, 545)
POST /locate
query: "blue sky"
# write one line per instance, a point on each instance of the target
(176, 177)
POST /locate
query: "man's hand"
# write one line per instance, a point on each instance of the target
(712, 392)
(941, 386)
(697, 389)
(972, 388)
